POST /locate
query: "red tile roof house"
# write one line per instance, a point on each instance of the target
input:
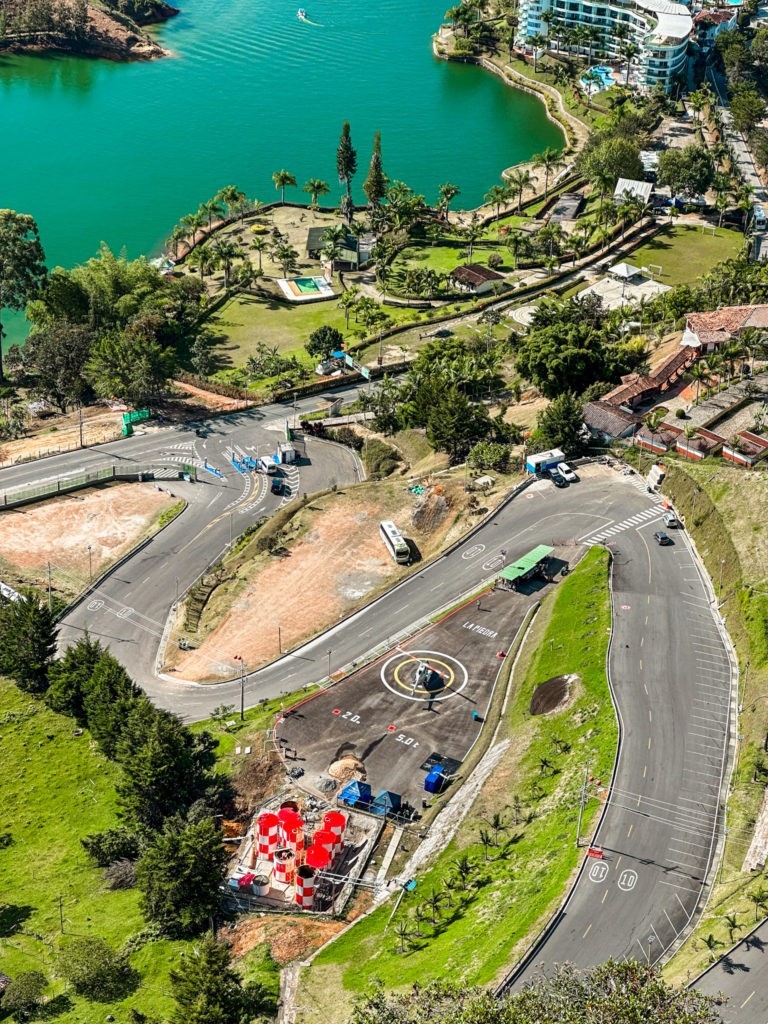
(706, 331)
(663, 438)
(748, 449)
(703, 443)
(635, 388)
(475, 278)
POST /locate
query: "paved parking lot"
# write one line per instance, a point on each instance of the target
(394, 721)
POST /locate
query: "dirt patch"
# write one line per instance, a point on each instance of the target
(61, 433)
(288, 938)
(333, 560)
(552, 695)
(208, 399)
(258, 778)
(107, 520)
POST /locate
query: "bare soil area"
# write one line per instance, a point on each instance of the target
(107, 520)
(61, 433)
(331, 561)
(288, 938)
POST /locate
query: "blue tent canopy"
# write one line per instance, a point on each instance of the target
(386, 803)
(355, 793)
(435, 781)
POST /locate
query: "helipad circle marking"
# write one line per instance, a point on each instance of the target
(458, 676)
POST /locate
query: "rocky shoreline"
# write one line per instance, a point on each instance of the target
(109, 35)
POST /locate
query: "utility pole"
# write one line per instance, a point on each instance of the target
(239, 658)
(329, 663)
(61, 914)
(80, 408)
(90, 562)
(279, 639)
(582, 802)
(50, 596)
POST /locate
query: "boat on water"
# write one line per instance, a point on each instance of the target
(301, 14)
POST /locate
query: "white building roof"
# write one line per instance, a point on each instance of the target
(628, 186)
(674, 20)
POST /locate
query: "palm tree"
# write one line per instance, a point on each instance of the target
(628, 51)
(348, 301)
(447, 192)
(463, 867)
(260, 246)
(284, 254)
(722, 203)
(732, 925)
(591, 78)
(497, 196)
(283, 179)
(603, 180)
(759, 899)
(548, 160)
(487, 840)
(212, 208)
(204, 259)
(330, 253)
(518, 181)
(435, 901)
(699, 373)
(403, 932)
(226, 253)
(178, 235)
(193, 222)
(231, 197)
(246, 275)
(471, 233)
(653, 421)
(316, 187)
(499, 824)
(517, 808)
(711, 942)
(516, 241)
(537, 41)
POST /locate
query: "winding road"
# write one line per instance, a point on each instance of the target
(670, 668)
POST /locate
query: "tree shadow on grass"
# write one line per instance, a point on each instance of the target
(54, 1007)
(12, 917)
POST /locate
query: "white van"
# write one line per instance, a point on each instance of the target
(268, 465)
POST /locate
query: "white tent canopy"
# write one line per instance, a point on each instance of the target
(625, 271)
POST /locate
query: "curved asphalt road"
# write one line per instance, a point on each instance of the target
(670, 672)
(741, 976)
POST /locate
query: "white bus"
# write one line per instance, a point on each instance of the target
(395, 543)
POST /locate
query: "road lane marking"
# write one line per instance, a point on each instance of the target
(649, 742)
(605, 896)
(645, 770)
(642, 640)
(629, 831)
(646, 690)
(641, 664)
(586, 933)
(670, 922)
(650, 715)
(747, 999)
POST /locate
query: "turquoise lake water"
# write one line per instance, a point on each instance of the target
(98, 151)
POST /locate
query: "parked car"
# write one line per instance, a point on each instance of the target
(557, 480)
(277, 485)
(566, 472)
(671, 521)
(662, 538)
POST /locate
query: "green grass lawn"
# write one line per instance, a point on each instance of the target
(685, 252)
(509, 894)
(57, 788)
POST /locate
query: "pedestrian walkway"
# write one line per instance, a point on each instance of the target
(633, 523)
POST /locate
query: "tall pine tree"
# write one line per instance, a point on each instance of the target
(27, 641)
(375, 185)
(346, 160)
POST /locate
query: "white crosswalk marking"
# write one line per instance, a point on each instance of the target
(632, 523)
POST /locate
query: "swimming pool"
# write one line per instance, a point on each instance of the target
(604, 77)
(305, 289)
(307, 285)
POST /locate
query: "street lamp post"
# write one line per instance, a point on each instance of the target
(90, 563)
(279, 639)
(330, 652)
(720, 586)
(239, 658)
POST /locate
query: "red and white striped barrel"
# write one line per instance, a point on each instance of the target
(327, 840)
(293, 838)
(267, 825)
(285, 863)
(305, 887)
(335, 822)
(267, 847)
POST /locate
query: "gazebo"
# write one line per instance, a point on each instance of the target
(624, 271)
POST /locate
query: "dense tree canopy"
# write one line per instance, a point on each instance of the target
(687, 171)
(613, 993)
(22, 263)
(179, 876)
(27, 641)
(56, 356)
(208, 991)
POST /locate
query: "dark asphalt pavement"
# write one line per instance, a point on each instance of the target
(741, 976)
(669, 669)
(671, 678)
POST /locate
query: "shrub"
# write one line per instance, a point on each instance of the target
(94, 970)
(380, 459)
(23, 994)
(680, 414)
(104, 848)
(346, 436)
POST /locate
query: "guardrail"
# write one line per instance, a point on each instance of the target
(25, 494)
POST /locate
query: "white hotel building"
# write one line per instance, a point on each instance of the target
(659, 28)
